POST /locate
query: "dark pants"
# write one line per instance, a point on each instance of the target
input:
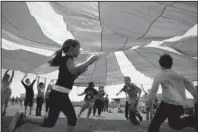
(126, 110)
(46, 104)
(28, 101)
(59, 102)
(133, 113)
(173, 113)
(39, 102)
(98, 104)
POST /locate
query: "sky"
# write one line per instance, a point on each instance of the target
(57, 30)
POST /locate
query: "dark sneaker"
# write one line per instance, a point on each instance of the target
(17, 121)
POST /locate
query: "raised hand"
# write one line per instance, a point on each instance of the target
(93, 59)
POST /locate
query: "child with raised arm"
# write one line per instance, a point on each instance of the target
(40, 96)
(6, 90)
(59, 95)
(173, 98)
(29, 92)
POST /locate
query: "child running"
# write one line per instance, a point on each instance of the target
(6, 91)
(134, 93)
(173, 98)
(88, 101)
(99, 101)
(40, 96)
(29, 96)
(59, 95)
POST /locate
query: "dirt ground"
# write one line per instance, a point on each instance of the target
(109, 122)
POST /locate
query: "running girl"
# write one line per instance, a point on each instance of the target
(59, 95)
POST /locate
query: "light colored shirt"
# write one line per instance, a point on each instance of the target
(100, 95)
(173, 87)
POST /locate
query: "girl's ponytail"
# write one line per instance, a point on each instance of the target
(56, 59)
(65, 48)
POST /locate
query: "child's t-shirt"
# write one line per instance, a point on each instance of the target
(173, 87)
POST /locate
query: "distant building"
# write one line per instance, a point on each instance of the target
(118, 101)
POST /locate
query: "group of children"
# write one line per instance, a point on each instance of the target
(29, 95)
(171, 107)
(41, 96)
(94, 100)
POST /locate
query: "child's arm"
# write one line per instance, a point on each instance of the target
(143, 89)
(77, 70)
(81, 94)
(38, 83)
(44, 82)
(6, 72)
(34, 81)
(190, 87)
(12, 76)
(120, 91)
(22, 80)
(153, 91)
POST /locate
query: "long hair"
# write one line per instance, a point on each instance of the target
(58, 54)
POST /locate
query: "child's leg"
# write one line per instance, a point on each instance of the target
(5, 106)
(37, 106)
(176, 122)
(158, 118)
(100, 107)
(147, 114)
(30, 105)
(50, 121)
(89, 109)
(41, 105)
(68, 110)
(47, 105)
(84, 106)
(94, 108)
(126, 109)
(25, 104)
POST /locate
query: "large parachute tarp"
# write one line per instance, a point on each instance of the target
(186, 46)
(102, 27)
